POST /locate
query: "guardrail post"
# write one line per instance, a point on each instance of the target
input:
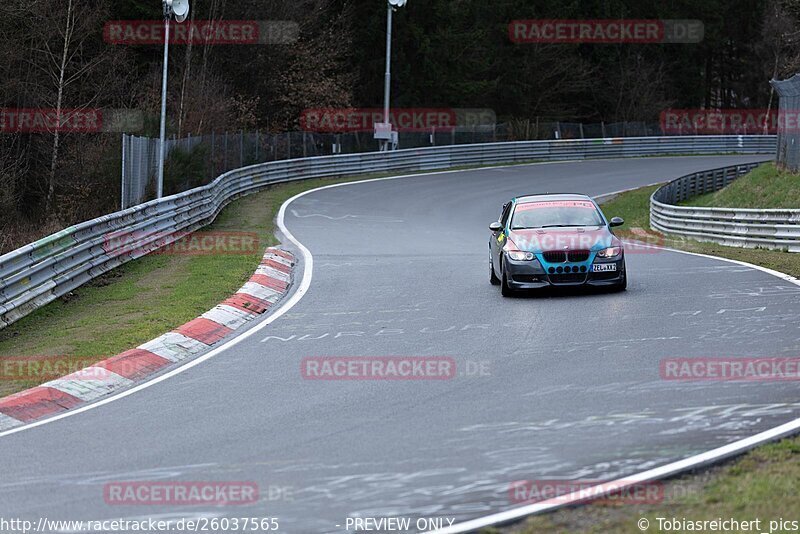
(124, 177)
(225, 154)
(212, 154)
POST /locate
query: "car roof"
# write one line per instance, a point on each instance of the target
(546, 197)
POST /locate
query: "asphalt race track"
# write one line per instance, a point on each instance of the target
(554, 386)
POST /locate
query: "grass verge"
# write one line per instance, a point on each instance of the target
(150, 296)
(147, 297)
(764, 186)
(761, 484)
(634, 207)
(144, 298)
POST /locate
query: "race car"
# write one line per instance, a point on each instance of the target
(555, 240)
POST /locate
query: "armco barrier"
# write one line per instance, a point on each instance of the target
(40, 272)
(765, 228)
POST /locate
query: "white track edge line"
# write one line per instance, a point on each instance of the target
(285, 307)
(511, 515)
(308, 267)
(670, 469)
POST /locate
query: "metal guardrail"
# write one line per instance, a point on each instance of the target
(751, 228)
(45, 270)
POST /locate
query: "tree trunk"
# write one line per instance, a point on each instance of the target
(51, 184)
(771, 93)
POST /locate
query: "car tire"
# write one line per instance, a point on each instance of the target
(505, 289)
(623, 285)
(492, 275)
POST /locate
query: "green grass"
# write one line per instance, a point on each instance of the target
(629, 206)
(145, 298)
(766, 186)
(762, 483)
(633, 206)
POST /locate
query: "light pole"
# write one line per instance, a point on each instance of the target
(383, 132)
(180, 9)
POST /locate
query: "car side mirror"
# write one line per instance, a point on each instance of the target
(496, 226)
(616, 221)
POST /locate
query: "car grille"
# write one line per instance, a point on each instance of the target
(559, 256)
(555, 256)
(572, 278)
(577, 255)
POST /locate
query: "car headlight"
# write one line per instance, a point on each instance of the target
(611, 252)
(518, 255)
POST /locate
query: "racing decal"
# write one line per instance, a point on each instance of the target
(585, 204)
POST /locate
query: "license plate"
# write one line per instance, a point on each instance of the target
(604, 267)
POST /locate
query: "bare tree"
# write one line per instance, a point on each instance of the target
(317, 73)
(59, 35)
(641, 77)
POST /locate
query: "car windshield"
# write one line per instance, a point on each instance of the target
(555, 214)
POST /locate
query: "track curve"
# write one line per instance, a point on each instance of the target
(570, 385)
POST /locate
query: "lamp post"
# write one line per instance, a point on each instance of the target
(383, 132)
(180, 10)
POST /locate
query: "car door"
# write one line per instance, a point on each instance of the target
(498, 239)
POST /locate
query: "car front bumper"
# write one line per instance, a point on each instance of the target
(533, 274)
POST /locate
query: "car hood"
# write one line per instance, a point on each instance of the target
(581, 238)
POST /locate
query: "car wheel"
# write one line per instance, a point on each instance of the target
(623, 285)
(492, 275)
(505, 289)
